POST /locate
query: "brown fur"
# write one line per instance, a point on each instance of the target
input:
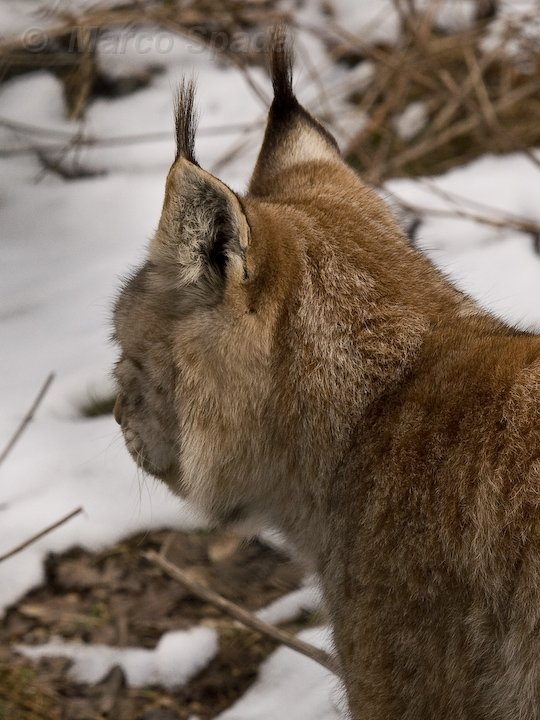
(288, 358)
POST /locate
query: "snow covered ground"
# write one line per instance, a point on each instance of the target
(65, 244)
(178, 657)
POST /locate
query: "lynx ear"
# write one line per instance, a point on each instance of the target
(203, 233)
(292, 135)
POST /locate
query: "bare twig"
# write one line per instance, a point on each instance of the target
(500, 223)
(476, 74)
(85, 74)
(237, 148)
(238, 613)
(27, 419)
(40, 534)
(529, 154)
(29, 129)
(83, 140)
(467, 209)
(503, 218)
(184, 22)
(460, 92)
(64, 170)
(351, 42)
(411, 21)
(461, 128)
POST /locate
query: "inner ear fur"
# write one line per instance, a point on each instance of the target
(203, 230)
(292, 135)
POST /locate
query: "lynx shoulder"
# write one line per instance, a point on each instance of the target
(287, 357)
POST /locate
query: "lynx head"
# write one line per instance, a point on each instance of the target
(238, 336)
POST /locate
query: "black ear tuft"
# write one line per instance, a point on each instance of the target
(185, 121)
(281, 69)
(292, 135)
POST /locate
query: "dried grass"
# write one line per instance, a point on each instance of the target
(476, 101)
(68, 46)
(24, 697)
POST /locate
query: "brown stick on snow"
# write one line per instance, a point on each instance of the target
(40, 534)
(27, 419)
(238, 613)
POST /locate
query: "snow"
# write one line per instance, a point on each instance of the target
(178, 657)
(496, 266)
(376, 21)
(411, 121)
(286, 680)
(292, 605)
(453, 15)
(16, 16)
(379, 22)
(523, 15)
(292, 683)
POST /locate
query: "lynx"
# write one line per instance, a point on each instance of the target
(288, 358)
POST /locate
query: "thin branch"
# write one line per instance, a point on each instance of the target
(484, 210)
(33, 129)
(484, 101)
(238, 613)
(40, 534)
(457, 213)
(461, 128)
(529, 154)
(120, 17)
(82, 140)
(233, 152)
(29, 129)
(459, 92)
(379, 55)
(27, 419)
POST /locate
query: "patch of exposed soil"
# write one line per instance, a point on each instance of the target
(117, 598)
